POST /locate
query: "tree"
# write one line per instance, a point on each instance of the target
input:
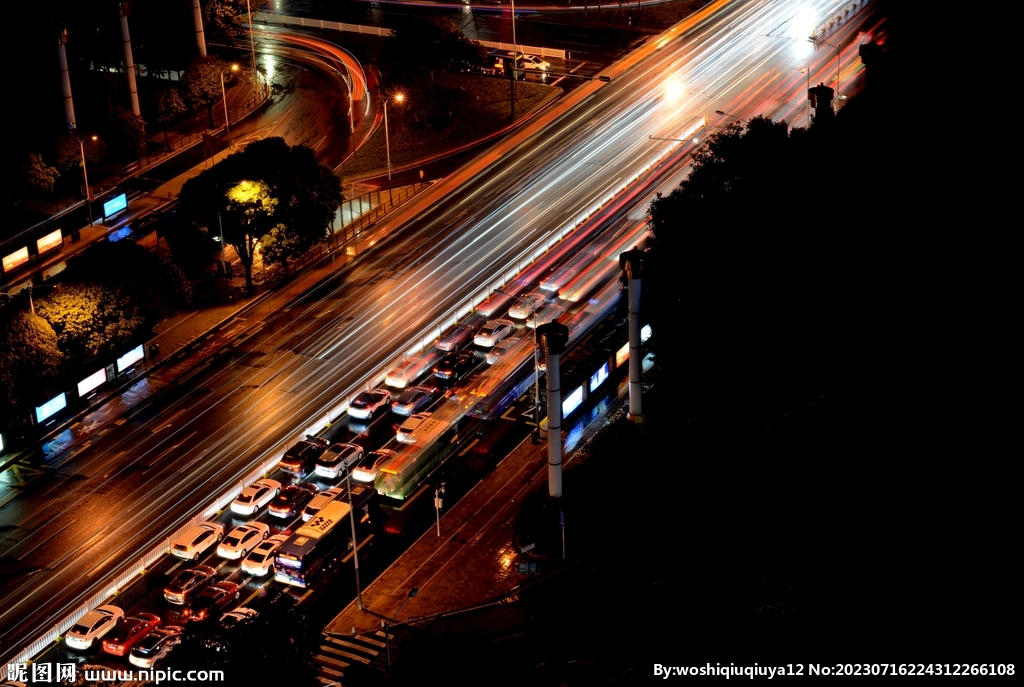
(91, 320)
(169, 107)
(127, 133)
(227, 20)
(30, 359)
(423, 45)
(270, 194)
(202, 82)
(69, 152)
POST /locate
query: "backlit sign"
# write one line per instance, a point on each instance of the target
(115, 205)
(645, 333)
(54, 405)
(18, 257)
(49, 242)
(91, 382)
(572, 401)
(598, 377)
(130, 358)
(622, 355)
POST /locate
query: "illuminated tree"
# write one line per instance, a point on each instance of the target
(247, 218)
(30, 359)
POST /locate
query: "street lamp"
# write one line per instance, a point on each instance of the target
(355, 543)
(536, 372)
(85, 174)
(807, 70)
(438, 502)
(252, 42)
(387, 640)
(838, 65)
(726, 114)
(224, 95)
(398, 98)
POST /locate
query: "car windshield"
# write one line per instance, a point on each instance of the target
(80, 629)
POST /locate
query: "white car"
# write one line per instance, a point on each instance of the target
(243, 539)
(319, 501)
(366, 404)
(260, 560)
(255, 496)
(239, 614)
(406, 373)
(534, 62)
(493, 332)
(337, 459)
(93, 626)
(195, 540)
(369, 466)
(527, 305)
(404, 433)
(455, 338)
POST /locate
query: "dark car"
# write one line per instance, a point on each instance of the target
(413, 400)
(188, 583)
(300, 459)
(455, 364)
(292, 499)
(155, 646)
(212, 601)
(128, 633)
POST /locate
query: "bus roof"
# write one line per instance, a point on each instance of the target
(324, 521)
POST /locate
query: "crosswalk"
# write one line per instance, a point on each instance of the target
(339, 652)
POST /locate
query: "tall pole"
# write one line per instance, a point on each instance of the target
(838, 67)
(129, 63)
(553, 338)
(252, 41)
(224, 95)
(197, 19)
(85, 175)
(631, 263)
(387, 149)
(65, 81)
(387, 638)
(355, 544)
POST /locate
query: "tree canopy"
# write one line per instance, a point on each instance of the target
(269, 195)
(422, 45)
(30, 359)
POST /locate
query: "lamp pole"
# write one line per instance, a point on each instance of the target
(438, 502)
(807, 70)
(838, 66)
(355, 544)
(387, 639)
(536, 373)
(252, 42)
(224, 96)
(85, 176)
(726, 114)
(399, 97)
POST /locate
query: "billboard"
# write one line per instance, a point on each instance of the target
(18, 257)
(52, 240)
(115, 205)
(54, 405)
(598, 377)
(91, 382)
(572, 401)
(130, 358)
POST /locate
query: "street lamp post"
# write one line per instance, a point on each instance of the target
(387, 639)
(224, 95)
(355, 543)
(726, 114)
(399, 97)
(438, 502)
(838, 65)
(807, 70)
(85, 176)
(252, 42)
(536, 373)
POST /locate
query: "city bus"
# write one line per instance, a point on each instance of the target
(314, 546)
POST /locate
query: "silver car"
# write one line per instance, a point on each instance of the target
(456, 337)
(493, 332)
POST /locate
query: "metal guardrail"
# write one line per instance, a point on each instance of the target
(528, 49)
(835, 18)
(128, 575)
(285, 20)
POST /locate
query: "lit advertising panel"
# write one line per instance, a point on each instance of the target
(91, 382)
(115, 205)
(598, 377)
(130, 358)
(622, 355)
(52, 240)
(645, 333)
(572, 401)
(54, 405)
(18, 257)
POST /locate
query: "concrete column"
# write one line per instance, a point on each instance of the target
(553, 338)
(65, 81)
(129, 64)
(197, 14)
(632, 263)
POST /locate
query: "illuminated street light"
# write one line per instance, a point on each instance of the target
(398, 98)
(85, 175)
(224, 95)
(726, 114)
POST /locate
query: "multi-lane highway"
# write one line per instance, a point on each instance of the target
(468, 234)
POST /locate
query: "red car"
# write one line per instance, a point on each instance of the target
(212, 601)
(128, 632)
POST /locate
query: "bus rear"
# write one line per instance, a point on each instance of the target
(307, 552)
